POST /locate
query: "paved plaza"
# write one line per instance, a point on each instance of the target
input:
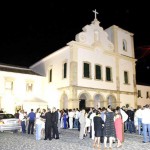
(68, 141)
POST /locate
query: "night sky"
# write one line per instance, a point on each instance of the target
(27, 34)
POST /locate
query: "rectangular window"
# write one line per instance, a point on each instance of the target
(98, 72)
(139, 93)
(9, 85)
(126, 77)
(147, 95)
(86, 70)
(65, 70)
(50, 75)
(29, 87)
(108, 74)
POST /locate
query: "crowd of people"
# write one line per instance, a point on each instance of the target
(40, 122)
(103, 125)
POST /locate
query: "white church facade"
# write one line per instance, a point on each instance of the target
(95, 70)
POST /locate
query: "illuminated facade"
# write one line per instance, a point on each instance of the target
(95, 70)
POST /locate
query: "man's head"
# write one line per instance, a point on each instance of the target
(54, 109)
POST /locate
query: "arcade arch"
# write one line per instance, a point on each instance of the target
(98, 101)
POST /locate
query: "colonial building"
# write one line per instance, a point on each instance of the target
(20, 88)
(143, 95)
(94, 70)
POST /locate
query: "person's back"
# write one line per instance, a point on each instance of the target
(98, 122)
(48, 125)
(130, 115)
(139, 113)
(32, 117)
(145, 116)
(55, 123)
(109, 117)
(48, 118)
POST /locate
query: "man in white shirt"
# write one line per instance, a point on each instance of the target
(139, 117)
(76, 121)
(146, 123)
(71, 115)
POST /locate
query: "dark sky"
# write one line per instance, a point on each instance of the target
(28, 34)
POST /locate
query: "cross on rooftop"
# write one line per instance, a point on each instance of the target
(95, 13)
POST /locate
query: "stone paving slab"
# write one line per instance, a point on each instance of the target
(68, 141)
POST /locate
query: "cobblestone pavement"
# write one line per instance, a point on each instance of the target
(68, 141)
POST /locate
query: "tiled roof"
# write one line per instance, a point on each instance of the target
(15, 69)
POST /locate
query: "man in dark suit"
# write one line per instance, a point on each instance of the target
(54, 123)
(48, 125)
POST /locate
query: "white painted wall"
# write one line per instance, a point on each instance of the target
(55, 62)
(127, 99)
(19, 94)
(124, 35)
(116, 35)
(110, 33)
(96, 57)
(125, 65)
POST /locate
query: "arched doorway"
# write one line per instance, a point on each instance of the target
(111, 101)
(64, 102)
(83, 98)
(98, 101)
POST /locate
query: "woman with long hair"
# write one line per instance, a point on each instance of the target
(118, 126)
(109, 128)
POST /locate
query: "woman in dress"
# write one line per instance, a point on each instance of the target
(38, 124)
(109, 128)
(118, 126)
(98, 128)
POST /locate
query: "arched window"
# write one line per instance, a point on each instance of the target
(124, 45)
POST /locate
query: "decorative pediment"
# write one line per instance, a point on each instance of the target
(94, 35)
